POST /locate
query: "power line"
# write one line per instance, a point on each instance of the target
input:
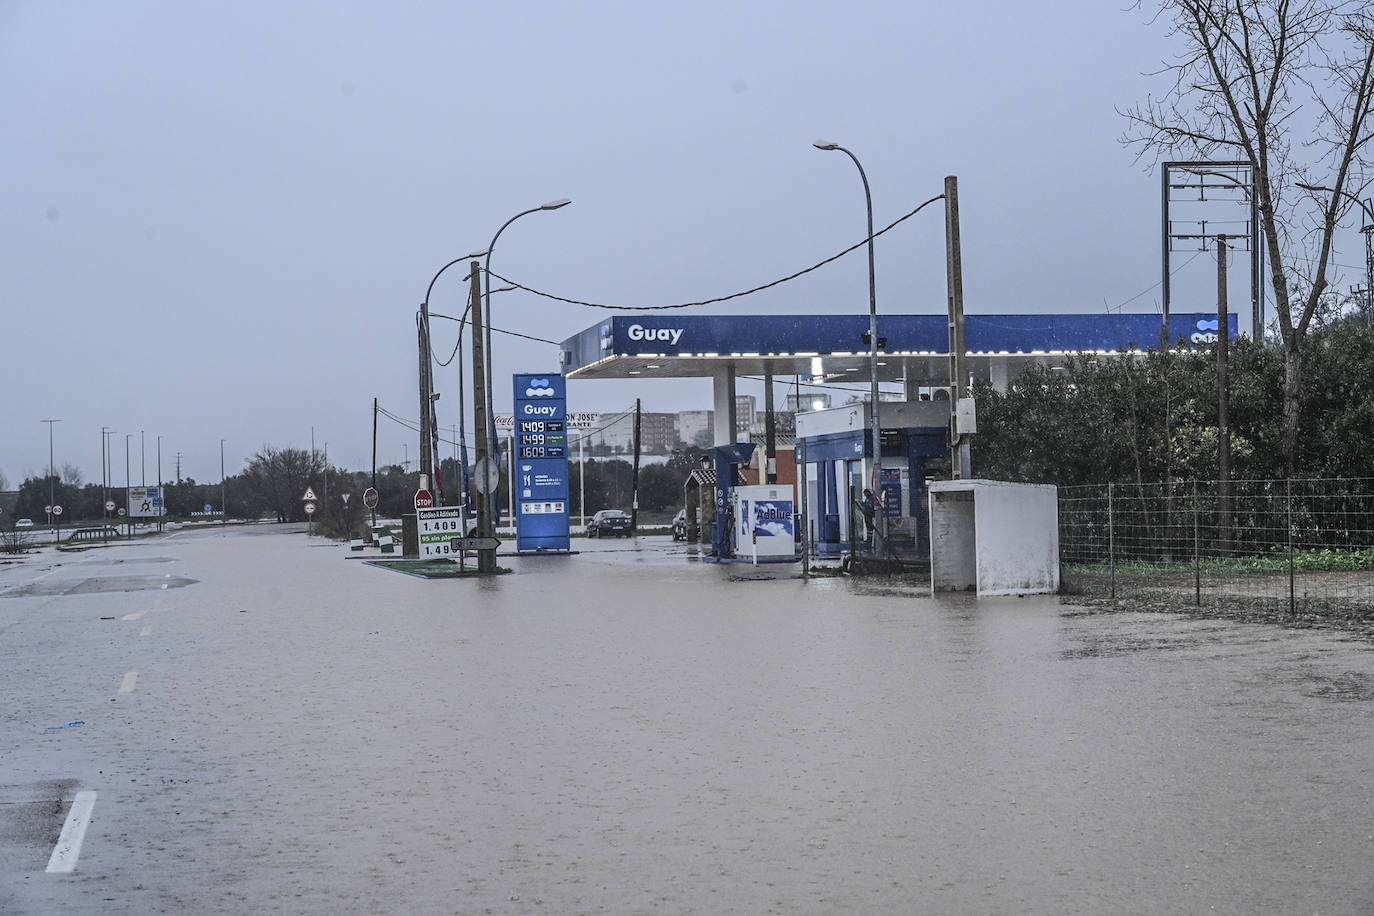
(747, 292)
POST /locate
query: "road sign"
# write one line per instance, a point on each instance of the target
(424, 499)
(345, 497)
(47, 510)
(122, 511)
(56, 510)
(437, 527)
(109, 505)
(309, 494)
(486, 475)
(458, 545)
(309, 508)
(145, 502)
(370, 498)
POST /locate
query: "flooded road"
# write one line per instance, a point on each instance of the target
(639, 731)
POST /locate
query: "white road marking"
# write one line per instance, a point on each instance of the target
(164, 586)
(68, 848)
(130, 680)
(147, 631)
(135, 616)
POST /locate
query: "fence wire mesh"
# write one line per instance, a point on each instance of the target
(1298, 545)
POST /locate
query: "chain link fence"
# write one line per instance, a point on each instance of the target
(1294, 545)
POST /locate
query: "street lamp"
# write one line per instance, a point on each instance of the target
(105, 432)
(223, 506)
(486, 332)
(426, 374)
(52, 484)
(872, 346)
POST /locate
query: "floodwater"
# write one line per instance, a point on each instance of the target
(638, 730)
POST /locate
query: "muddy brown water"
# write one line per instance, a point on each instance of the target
(638, 730)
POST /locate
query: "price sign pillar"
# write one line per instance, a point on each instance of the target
(541, 463)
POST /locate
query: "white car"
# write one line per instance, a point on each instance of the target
(24, 523)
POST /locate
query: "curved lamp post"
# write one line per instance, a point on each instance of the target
(426, 377)
(872, 348)
(486, 332)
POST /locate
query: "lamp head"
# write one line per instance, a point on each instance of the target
(825, 144)
(555, 204)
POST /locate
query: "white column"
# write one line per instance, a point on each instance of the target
(723, 400)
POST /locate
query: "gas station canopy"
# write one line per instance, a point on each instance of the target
(911, 348)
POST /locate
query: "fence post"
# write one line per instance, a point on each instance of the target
(1197, 557)
(1111, 541)
(1292, 591)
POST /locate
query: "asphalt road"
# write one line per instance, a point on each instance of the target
(270, 726)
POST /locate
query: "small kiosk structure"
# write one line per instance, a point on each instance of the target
(993, 537)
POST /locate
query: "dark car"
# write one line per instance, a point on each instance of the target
(612, 522)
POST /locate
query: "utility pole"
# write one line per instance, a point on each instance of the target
(1223, 407)
(374, 459)
(634, 478)
(770, 430)
(960, 458)
(52, 472)
(162, 495)
(178, 467)
(486, 559)
(128, 503)
(422, 335)
(223, 504)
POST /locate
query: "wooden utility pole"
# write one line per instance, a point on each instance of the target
(959, 453)
(486, 559)
(426, 456)
(1223, 407)
(770, 430)
(634, 478)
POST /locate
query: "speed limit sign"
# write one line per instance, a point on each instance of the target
(110, 506)
(309, 508)
(56, 510)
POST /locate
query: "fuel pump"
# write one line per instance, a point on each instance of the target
(727, 459)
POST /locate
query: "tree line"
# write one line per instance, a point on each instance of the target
(1152, 416)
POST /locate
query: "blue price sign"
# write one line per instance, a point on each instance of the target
(541, 463)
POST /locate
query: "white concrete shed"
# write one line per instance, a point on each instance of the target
(993, 537)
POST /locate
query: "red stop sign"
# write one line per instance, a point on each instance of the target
(423, 499)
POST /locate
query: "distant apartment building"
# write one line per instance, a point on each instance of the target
(658, 433)
(696, 427)
(816, 400)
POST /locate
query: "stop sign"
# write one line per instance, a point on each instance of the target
(370, 498)
(423, 499)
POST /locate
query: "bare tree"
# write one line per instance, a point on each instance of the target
(71, 475)
(1286, 85)
(4, 482)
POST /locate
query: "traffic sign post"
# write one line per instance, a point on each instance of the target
(458, 545)
(57, 532)
(370, 500)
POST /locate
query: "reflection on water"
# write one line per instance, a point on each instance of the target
(731, 738)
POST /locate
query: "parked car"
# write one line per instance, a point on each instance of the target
(680, 524)
(612, 522)
(24, 523)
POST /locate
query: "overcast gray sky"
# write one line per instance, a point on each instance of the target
(219, 219)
